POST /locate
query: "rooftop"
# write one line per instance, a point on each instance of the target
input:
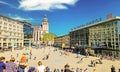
(95, 23)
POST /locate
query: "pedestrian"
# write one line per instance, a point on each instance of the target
(113, 69)
(67, 68)
(22, 64)
(81, 70)
(55, 70)
(47, 56)
(48, 69)
(23, 58)
(62, 70)
(58, 70)
(32, 69)
(86, 70)
(78, 70)
(17, 54)
(11, 66)
(118, 70)
(2, 64)
(94, 70)
(34, 58)
(41, 67)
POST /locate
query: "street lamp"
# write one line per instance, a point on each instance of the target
(12, 45)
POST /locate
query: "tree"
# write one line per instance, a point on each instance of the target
(48, 37)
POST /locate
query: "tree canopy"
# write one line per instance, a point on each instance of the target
(48, 37)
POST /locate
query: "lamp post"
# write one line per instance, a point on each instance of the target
(29, 44)
(12, 45)
(38, 44)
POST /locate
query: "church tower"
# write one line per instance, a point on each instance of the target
(45, 27)
(39, 31)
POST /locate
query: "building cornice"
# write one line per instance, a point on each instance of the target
(93, 24)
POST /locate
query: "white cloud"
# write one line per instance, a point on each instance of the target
(45, 4)
(20, 18)
(5, 3)
(2, 2)
(29, 19)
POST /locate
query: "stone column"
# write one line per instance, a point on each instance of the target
(38, 35)
(2, 42)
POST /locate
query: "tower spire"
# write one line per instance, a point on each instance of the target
(45, 18)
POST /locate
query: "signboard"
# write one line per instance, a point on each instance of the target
(109, 16)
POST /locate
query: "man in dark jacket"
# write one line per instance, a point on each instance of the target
(113, 69)
(67, 68)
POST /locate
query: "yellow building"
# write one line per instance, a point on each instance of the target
(62, 41)
(11, 32)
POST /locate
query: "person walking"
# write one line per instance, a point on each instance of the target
(113, 69)
(32, 69)
(22, 64)
(2, 64)
(118, 70)
(11, 66)
(67, 68)
(41, 67)
(94, 70)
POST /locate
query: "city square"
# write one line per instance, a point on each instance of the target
(56, 60)
(59, 36)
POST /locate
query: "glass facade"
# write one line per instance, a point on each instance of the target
(28, 33)
(103, 37)
(79, 37)
(28, 29)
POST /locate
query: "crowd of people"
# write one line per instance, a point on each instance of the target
(22, 66)
(108, 57)
(11, 66)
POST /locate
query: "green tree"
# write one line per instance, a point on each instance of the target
(48, 37)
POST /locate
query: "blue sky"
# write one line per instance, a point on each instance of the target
(63, 15)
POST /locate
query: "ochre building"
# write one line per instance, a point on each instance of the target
(11, 32)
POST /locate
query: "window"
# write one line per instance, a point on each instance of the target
(1, 17)
(5, 28)
(4, 39)
(5, 23)
(9, 20)
(17, 30)
(0, 22)
(10, 34)
(12, 21)
(10, 29)
(14, 26)
(10, 25)
(4, 19)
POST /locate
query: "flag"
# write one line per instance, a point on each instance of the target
(109, 16)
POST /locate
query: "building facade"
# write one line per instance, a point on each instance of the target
(39, 31)
(65, 39)
(28, 33)
(11, 32)
(103, 36)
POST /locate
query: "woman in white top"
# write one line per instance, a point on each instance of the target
(41, 68)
